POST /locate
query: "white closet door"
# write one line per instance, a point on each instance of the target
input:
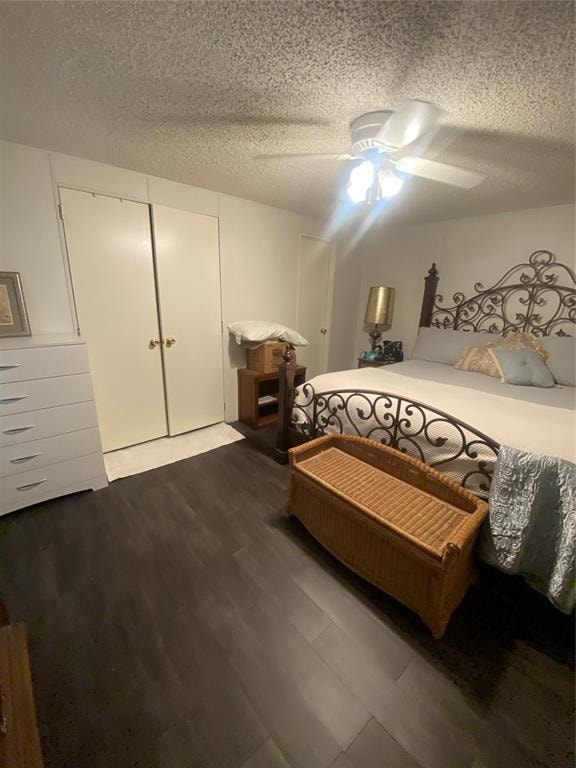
(110, 252)
(188, 268)
(313, 303)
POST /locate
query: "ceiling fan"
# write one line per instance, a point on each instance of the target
(389, 145)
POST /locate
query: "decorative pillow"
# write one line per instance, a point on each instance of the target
(263, 330)
(479, 360)
(524, 367)
(561, 358)
(439, 345)
(521, 341)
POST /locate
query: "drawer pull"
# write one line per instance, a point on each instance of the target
(22, 459)
(31, 485)
(16, 430)
(13, 399)
(8, 367)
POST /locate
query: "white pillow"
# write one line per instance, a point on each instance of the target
(263, 330)
(443, 346)
(561, 358)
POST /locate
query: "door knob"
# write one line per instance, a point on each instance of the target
(170, 340)
(323, 331)
(154, 343)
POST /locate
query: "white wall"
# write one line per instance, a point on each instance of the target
(259, 254)
(259, 245)
(29, 237)
(465, 250)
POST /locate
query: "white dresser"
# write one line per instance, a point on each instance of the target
(49, 437)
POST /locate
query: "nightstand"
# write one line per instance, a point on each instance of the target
(258, 396)
(362, 363)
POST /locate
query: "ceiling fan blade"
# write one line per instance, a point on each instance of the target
(289, 156)
(416, 148)
(412, 120)
(442, 172)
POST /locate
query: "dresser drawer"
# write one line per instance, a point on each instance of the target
(23, 396)
(15, 459)
(26, 427)
(43, 362)
(37, 484)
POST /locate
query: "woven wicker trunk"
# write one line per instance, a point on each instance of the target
(393, 520)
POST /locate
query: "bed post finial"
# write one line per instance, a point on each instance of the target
(430, 285)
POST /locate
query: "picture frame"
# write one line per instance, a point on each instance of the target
(13, 315)
(390, 351)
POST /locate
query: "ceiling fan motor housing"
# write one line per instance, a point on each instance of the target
(365, 129)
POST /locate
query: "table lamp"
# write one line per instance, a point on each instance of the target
(379, 311)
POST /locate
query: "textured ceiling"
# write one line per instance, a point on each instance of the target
(192, 91)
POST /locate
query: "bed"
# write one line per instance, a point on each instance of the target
(512, 445)
(451, 419)
(359, 402)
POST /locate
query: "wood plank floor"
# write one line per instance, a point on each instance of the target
(177, 619)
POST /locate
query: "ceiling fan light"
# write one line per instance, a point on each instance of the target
(362, 175)
(361, 180)
(390, 183)
(357, 194)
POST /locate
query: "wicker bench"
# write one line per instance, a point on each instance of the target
(393, 520)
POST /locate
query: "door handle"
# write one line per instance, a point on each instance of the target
(323, 331)
(154, 343)
(170, 340)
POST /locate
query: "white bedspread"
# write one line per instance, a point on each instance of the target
(535, 420)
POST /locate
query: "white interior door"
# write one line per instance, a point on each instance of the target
(313, 303)
(188, 269)
(111, 262)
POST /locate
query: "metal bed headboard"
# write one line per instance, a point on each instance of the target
(537, 297)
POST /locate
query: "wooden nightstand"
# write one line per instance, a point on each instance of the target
(258, 396)
(374, 363)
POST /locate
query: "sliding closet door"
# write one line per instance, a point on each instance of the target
(110, 252)
(188, 269)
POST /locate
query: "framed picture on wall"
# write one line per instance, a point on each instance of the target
(13, 316)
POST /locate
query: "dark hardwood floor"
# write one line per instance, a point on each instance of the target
(177, 619)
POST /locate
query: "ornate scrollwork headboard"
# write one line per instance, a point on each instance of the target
(537, 297)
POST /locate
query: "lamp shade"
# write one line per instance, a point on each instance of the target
(380, 306)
